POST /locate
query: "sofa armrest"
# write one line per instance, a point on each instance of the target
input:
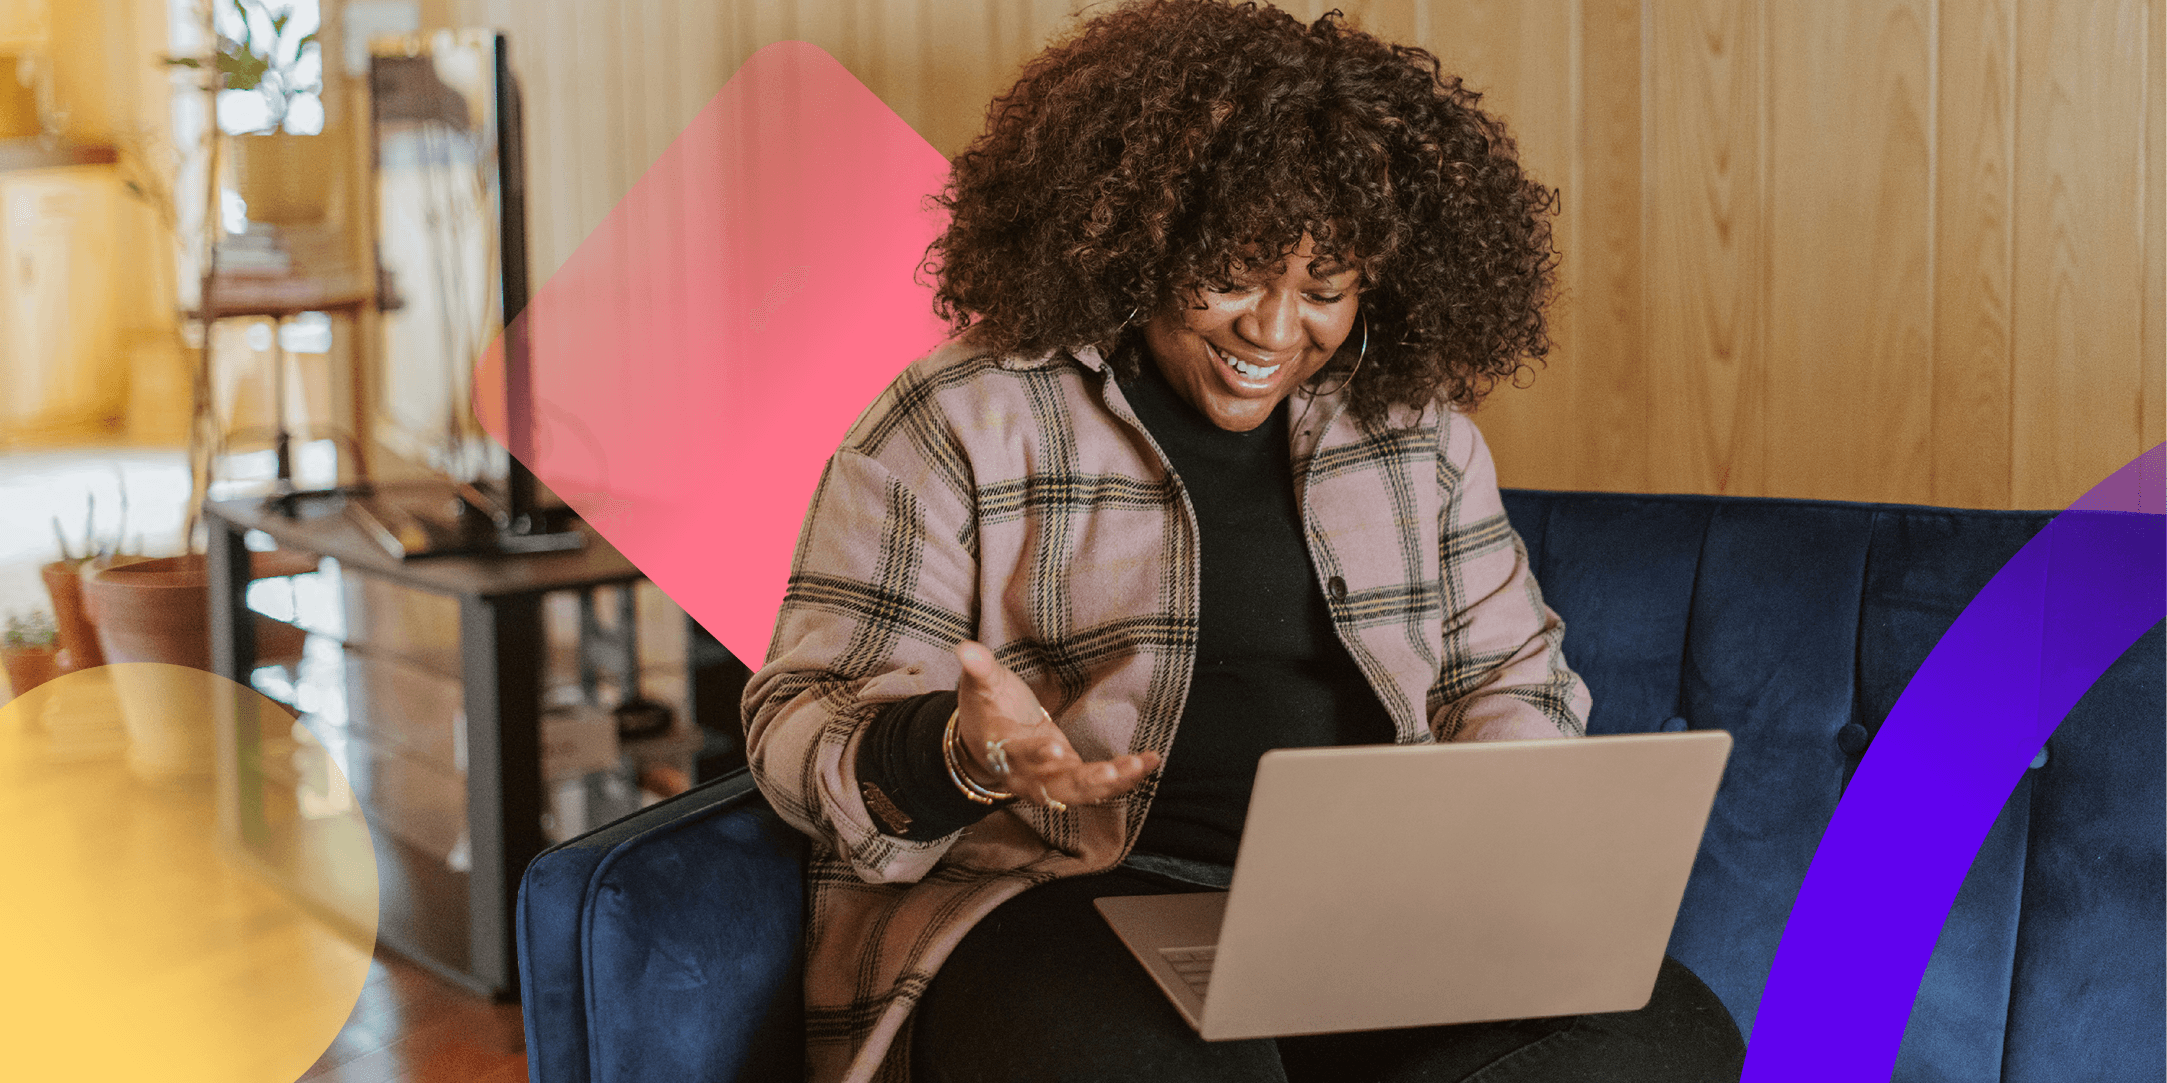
(665, 946)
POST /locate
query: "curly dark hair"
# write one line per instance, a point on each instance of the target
(1173, 143)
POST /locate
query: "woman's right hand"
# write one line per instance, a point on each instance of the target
(993, 705)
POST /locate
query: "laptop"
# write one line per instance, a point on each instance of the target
(1419, 885)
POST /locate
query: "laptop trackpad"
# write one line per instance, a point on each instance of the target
(1151, 924)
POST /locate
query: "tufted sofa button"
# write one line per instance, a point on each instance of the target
(1673, 724)
(2040, 760)
(1338, 588)
(1853, 739)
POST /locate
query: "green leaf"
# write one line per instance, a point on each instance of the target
(182, 61)
(244, 71)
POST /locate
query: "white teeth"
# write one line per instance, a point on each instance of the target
(1252, 371)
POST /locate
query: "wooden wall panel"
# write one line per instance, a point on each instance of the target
(2080, 243)
(1849, 209)
(1390, 20)
(610, 83)
(957, 61)
(1583, 419)
(2154, 164)
(1901, 250)
(1974, 249)
(1605, 301)
(1521, 58)
(1707, 244)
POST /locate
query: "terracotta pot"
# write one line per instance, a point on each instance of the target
(153, 611)
(159, 611)
(29, 667)
(78, 636)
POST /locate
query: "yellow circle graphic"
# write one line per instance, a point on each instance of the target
(187, 889)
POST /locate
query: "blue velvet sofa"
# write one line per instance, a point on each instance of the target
(664, 947)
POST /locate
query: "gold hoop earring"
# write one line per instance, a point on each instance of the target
(1359, 355)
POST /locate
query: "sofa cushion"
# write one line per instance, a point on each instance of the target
(717, 984)
(1770, 649)
(1633, 668)
(666, 946)
(1925, 566)
(2090, 983)
(1795, 625)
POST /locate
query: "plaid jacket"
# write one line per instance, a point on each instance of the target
(1019, 502)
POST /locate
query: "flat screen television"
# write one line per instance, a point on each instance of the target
(448, 165)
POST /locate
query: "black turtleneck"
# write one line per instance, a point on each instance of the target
(1270, 670)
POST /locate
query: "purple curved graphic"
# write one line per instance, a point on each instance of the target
(2017, 659)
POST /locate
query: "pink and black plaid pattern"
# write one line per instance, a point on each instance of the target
(1018, 502)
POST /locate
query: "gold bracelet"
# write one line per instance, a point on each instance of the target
(952, 753)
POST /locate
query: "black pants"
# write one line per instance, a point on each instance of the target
(1042, 991)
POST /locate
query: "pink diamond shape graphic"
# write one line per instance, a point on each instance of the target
(702, 353)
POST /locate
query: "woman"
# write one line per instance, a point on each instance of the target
(1192, 481)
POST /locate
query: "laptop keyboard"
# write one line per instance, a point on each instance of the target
(1193, 964)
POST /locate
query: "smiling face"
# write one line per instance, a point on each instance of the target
(1236, 352)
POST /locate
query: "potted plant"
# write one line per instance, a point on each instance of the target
(78, 637)
(284, 177)
(64, 585)
(153, 619)
(158, 610)
(28, 650)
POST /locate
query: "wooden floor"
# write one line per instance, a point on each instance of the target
(413, 1027)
